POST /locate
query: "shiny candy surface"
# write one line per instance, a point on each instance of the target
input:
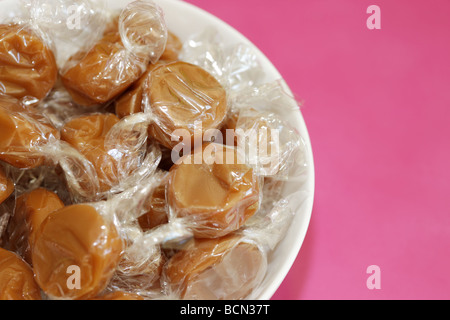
(75, 239)
(31, 209)
(87, 134)
(23, 133)
(28, 69)
(215, 195)
(6, 186)
(222, 268)
(183, 96)
(16, 278)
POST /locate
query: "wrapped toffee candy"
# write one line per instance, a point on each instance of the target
(119, 58)
(87, 134)
(213, 191)
(77, 241)
(6, 186)
(16, 278)
(158, 211)
(23, 133)
(226, 268)
(186, 98)
(115, 158)
(172, 49)
(28, 69)
(180, 103)
(260, 118)
(31, 209)
(131, 101)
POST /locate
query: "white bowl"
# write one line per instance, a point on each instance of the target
(184, 20)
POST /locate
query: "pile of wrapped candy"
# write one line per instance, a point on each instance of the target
(139, 166)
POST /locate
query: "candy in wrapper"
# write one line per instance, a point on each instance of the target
(226, 268)
(139, 271)
(31, 209)
(16, 278)
(259, 124)
(87, 135)
(115, 158)
(131, 101)
(213, 190)
(173, 48)
(29, 140)
(119, 58)
(76, 239)
(28, 69)
(180, 102)
(23, 133)
(6, 186)
(67, 24)
(180, 96)
(158, 212)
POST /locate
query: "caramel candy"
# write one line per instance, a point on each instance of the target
(157, 212)
(22, 133)
(28, 68)
(6, 186)
(173, 48)
(100, 75)
(31, 209)
(213, 191)
(119, 295)
(87, 134)
(16, 278)
(182, 95)
(117, 60)
(228, 129)
(131, 101)
(70, 239)
(226, 268)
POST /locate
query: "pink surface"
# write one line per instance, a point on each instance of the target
(377, 107)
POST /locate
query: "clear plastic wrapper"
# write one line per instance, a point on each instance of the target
(236, 67)
(119, 58)
(131, 101)
(29, 140)
(259, 124)
(117, 160)
(67, 24)
(179, 102)
(28, 69)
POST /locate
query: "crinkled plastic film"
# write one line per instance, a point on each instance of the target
(119, 58)
(28, 70)
(213, 190)
(128, 155)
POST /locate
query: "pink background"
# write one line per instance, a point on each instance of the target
(377, 107)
